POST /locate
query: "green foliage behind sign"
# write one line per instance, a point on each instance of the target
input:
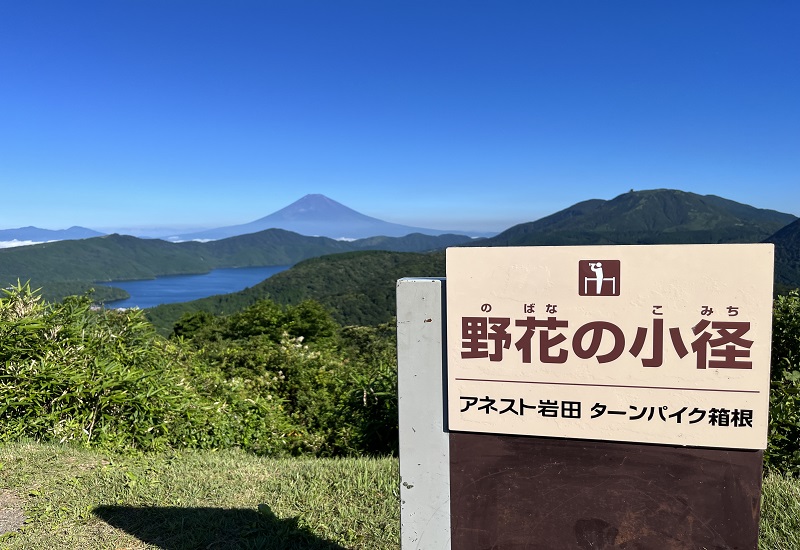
(783, 452)
(338, 385)
(72, 373)
(271, 379)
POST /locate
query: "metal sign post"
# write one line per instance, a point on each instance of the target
(424, 445)
(599, 397)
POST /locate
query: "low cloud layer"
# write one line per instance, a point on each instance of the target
(15, 242)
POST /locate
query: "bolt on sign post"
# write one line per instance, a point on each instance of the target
(607, 396)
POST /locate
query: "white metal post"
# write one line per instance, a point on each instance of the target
(424, 445)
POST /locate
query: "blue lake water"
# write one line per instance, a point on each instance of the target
(184, 288)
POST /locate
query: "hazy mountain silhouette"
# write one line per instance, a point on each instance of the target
(35, 234)
(317, 215)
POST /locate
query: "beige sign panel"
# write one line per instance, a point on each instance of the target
(657, 344)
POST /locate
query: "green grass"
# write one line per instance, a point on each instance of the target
(780, 513)
(75, 498)
(81, 499)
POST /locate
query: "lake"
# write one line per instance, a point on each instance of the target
(184, 288)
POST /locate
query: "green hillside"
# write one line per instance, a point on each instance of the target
(787, 255)
(71, 267)
(660, 216)
(112, 257)
(358, 287)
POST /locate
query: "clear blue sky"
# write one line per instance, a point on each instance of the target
(445, 114)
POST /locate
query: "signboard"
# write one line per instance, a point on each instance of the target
(661, 344)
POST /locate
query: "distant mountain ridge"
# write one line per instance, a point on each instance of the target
(317, 215)
(359, 286)
(659, 216)
(38, 235)
(313, 215)
(122, 257)
(637, 217)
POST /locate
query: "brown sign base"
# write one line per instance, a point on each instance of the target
(514, 493)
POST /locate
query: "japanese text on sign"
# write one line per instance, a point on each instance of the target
(656, 344)
(488, 337)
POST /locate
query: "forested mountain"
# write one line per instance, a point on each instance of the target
(100, 259)
(660, 216)
(74, 265)
(787, 254)
(357, 287)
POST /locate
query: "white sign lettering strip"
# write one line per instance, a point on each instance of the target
(656, 344)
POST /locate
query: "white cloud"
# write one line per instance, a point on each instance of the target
(15, 242)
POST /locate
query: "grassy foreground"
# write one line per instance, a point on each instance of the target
(75, 498)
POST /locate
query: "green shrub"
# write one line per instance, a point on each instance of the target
(371, 402)
(270, 379)
(338, 385)
(103, 378)
(783, 451)
(190, 323)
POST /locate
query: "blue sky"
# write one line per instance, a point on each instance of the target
(458, 115)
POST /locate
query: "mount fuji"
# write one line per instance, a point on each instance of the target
(317, 215)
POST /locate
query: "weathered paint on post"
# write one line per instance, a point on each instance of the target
(424, 445)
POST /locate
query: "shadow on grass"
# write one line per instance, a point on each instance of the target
(212, 528)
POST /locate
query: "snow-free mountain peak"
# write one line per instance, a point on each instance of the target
(315, 208)
(317, 215)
